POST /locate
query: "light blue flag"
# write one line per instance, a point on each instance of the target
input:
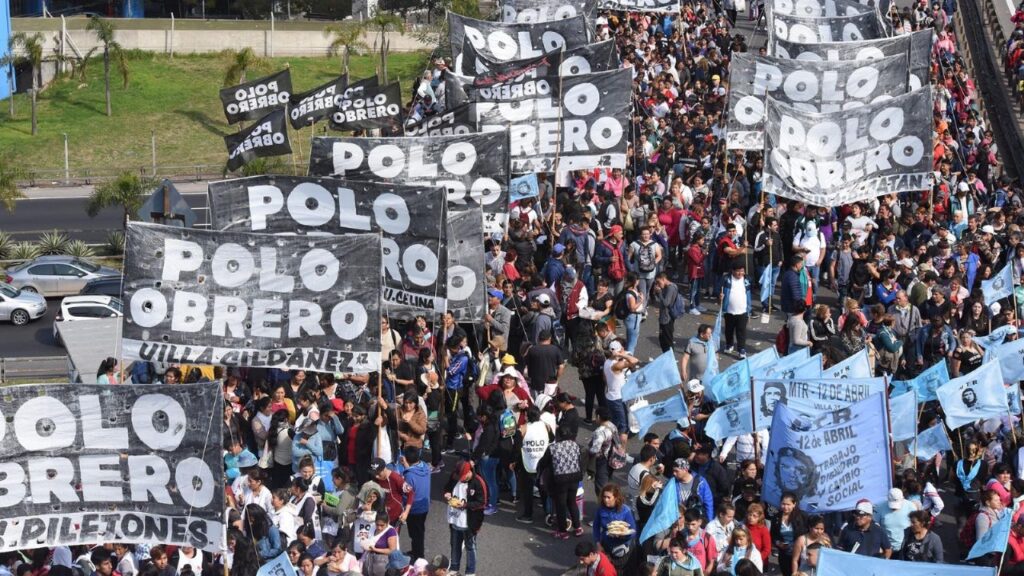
(903, 415)
(525, 186)
(830, 460)
(763, 359)
(809, 396)
(716, 339)
(994, 338)
(1011, 359)
(924, 383)
(279, 566)
(999, 286)
(810, 368)
(733, 418)
(1013, 397)
(656, 376)
(856, 366)
(995, 540)
(766, 281)
(787, 362)
(974, 396)
(730, 383)
(832, 562)
(668, 410)
(665, 513)
(931, 442)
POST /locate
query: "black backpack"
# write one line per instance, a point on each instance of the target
(694, 502)
(620, 308)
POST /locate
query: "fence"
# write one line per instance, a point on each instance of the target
(29, 370)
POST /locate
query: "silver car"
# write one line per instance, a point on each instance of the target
(20, 306)
(56, 275)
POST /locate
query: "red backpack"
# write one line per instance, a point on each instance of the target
(617, 267)
(782, 340)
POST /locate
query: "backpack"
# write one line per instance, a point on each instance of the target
(581, 242)
(472, 371)
(507, 424)
(968, 535)
(616, 268)
(646, 260)
(694, 502)
(620, 308)
(616, 453)
(782, 340)
(678, 307)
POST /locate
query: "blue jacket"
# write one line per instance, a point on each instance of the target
(727, 287)
(948, 339)
(606, 516)
(603, 254)
(886, 296)
(552, 271)
(314, 447)
(706, 497)
(790, 292)
(456, 372)
(270, 545)
(418, 476)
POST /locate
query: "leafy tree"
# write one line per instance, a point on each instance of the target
(346, 38)
(33, 47)
(104, 31)
(241, 61)
(10, 173)
(128, 191)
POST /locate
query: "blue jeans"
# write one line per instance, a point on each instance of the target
(632, 331)
(617, 411)
(695, 292)
(490, 472)
(813, 272)
(776, 270)
(463, 537)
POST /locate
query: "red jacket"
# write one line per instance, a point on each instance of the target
(604, 566)
(694, 262)
(761, 537)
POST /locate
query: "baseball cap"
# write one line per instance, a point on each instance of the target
(543, 299)
(988, 229)
(864, 507)
(616, 229)
(615, 346)
(962, 186)
(559, 248)
(895, 498)
(495, 293)
(682, 463)
(376, 465)
(694, 386)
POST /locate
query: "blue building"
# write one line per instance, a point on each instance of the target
(5, 35)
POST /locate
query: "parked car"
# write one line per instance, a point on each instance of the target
(105, 286)
(20, 306)
(79, 308)
(56, 275)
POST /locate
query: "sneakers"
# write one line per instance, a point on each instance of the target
(524, 519)
(754, 315)
(490, 511)
(743, 352)
(561, 535)
(579, 531)
(694, 311)
(729, 349)
(437, 469)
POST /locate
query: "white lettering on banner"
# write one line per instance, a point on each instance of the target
(263, 136)
(804, 33)
(510, 14)
(257, 97)
(440, 125)
(322, 100)
(639, 4)
(515, 91)
(503, 47)
(814, 8)
(316, 359)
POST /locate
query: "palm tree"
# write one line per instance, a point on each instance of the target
(104, 31)
(7, 65)
(346, 38)
(33, 47)
(10, 173)
(241, 62)
(383, 22)
(128, 191)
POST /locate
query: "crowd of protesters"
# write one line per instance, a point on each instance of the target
(338, 470)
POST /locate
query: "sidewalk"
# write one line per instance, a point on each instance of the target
(188, 188)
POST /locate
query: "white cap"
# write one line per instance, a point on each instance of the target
(906, 263)
(543, 299)
(962, 186)
(895, 498)
(694, 386)
(988, 229)
(615, 346)
(864, 507)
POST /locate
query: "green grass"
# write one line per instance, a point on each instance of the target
(178, 98)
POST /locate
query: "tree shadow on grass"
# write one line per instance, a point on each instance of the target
(63, 99)
(203, 120)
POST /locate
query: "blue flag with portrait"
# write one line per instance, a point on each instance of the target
(729, 383)
(1011, 359)
(1013, 397)
(832, 562)
(924, 383)
(856, 366)
(668, 410)
(711, 370)
(762, 359)
(665, 513)
(903, 415)
(656, 376)
(995, 539)
(525, 186)
(931, 441)
(999, 286)
(277, 566)
(995, 337)
(974, 396)
(783, 366)
(734, 418)
(830, 460)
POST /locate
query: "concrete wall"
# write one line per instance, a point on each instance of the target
(196, 37)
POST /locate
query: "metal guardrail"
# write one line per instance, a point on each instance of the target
(27, 370)
(87, 176)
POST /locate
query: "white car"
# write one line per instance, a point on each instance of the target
(92, 307)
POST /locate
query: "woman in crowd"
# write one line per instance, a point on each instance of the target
(759, 534)
(619, 548)
(740, 548)
(968, 355)
(816, 534)
(920, 544)
(788, 525)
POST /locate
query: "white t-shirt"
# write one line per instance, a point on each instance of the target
(737, 303)
(614, 381)
(813, 245)
(458, 517)
(263, 499)
(535, 445)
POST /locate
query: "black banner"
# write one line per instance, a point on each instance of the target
(640, 5)
(596, 57)
(410, 218)
(256, 98)
(838, 29)
(92, 464)
(373, 108)
(917, 46)
(819, 8)
(237, 299)
(315, 105)
(267, 137)
(467, 285)
(470, 167)
(506, 42)
(584, 117)
(851, 155)
(808, 86)
(535, 11)
(452, 122)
